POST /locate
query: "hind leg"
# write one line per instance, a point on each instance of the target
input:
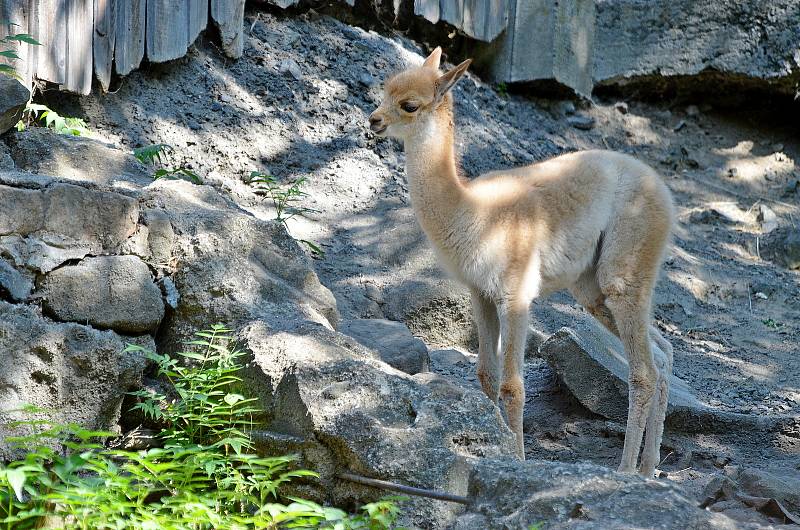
(651, 454)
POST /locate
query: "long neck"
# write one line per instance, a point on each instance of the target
(434, 185)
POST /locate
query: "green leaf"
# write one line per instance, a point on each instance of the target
(24, 37)
(16, 479)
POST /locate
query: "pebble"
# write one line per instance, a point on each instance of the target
(621, 107)
(366, 79)
(681, 124)
(290, 67)
(216, 107)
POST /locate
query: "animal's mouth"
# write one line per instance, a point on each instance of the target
(379, 131)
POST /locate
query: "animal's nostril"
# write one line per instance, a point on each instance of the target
(374, 120)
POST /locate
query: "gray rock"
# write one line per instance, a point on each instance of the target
(791, 249)
(584, 123)
(392, 340)
(6, 162)
(113, 292)
(232, 267)
(591, 362)
(448, 358)
(767, 218)
(510, 494)
(78, 372)
(78, 221)
(784, 488)
(13, 98)
(290, 67)
(686, 37)
(349, 411)
(621, 107)
(74, 158)
(14, 284)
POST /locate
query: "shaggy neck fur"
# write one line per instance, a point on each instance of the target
(437, 192)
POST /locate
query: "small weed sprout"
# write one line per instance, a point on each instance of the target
(502, 89)
(160, 154)
(205, 476)
(287, 201)
(52, 120)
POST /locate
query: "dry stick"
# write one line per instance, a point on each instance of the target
(409, 490)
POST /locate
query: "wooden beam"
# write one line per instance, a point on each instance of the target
(129, 35)
(80, 24)
(198, 19)
(428, 9)
(167, 29)
(229, 17)
(105, 14)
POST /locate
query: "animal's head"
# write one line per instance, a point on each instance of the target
(412, 96)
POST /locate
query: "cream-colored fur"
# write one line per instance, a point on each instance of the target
(593, 222)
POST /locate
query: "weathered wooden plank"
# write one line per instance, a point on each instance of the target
(129, 35)
(80, 24)
(52, 55)
(198, 19)
(105, 12)
(428, 9)
(452, 11)
(484, 19)
(15, 18)
(229, 17)
(167, 29)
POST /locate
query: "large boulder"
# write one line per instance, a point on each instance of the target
(591, 362)
(42, 228)
(13, 98)
(508, 494)
(77, 372)
(227, 265)
(41, 151)
(349, 411)
(108, 292)
(392, 340)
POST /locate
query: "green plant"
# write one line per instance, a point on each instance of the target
(160, 154)
(52, 120)
(772, 323)
(286, 199)
(206, 475)
(9, 53)
(502, 89)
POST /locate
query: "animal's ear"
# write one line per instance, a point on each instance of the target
(449, 79)
(433, 59)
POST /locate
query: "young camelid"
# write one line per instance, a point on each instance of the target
(595, 222)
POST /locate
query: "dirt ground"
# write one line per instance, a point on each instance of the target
(296, 105)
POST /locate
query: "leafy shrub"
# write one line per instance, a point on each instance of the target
(205, 476)
(161, 154)
(52, 120)
(287, 201)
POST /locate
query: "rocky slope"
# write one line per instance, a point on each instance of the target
(295, 105)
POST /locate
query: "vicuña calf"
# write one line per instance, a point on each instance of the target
(594, 222)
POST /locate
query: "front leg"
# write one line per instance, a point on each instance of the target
(484, 312)
(514, 331)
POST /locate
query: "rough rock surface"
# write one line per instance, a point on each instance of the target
(77, 371)
(13, 97)
(686, 37)
(352, 412)
(229, 266)
(108, 292)
(392, 340)
(518, 495)
(591, 362)
(38, 150)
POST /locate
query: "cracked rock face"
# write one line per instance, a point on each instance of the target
(509, 494)
(13, 97)
(349, 411)
(79, 372)
(108, 292)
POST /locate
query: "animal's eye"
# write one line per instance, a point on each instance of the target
(409, 107)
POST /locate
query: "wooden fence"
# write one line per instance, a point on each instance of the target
(84, 37)
(81, 38)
